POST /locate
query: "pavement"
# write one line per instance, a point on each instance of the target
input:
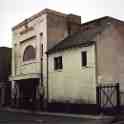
(61, 117)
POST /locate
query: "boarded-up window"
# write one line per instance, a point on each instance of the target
(29, 53)
(58, 63)
(84, 58)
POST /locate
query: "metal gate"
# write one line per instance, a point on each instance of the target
(108, 97)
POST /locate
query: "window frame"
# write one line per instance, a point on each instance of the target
(30, 57)
(58, 63)
(84, 58)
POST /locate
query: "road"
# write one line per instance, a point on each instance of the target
(7, 117)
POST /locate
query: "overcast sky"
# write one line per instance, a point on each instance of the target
(14, 11)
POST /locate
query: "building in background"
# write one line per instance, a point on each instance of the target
(88, 59)
(5, 71)
(32, 38)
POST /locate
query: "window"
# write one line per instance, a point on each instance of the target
(84, 58)
(58, 63)
(29, 53)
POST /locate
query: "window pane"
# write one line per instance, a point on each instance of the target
(29, 53)
(58, 63)
(84, 58)
(55, 63)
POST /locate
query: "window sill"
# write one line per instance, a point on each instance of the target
(83, 67)
(29, 62)
(58, 70)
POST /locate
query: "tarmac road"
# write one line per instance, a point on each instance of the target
(8, 117)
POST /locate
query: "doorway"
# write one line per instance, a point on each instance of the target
(27, 89)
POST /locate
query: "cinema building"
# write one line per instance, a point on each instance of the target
(32, 38)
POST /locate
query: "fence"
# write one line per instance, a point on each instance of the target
(108, 97)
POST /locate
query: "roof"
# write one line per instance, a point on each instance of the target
(44, 11)
(86, 36)
(4, 47)
(72, 41)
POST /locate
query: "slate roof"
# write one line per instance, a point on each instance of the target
(84, 37)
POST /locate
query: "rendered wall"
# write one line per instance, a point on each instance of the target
(110, 56)
(74, 83)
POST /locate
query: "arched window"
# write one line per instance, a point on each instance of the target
(29, 53)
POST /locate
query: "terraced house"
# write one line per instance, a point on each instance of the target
(59, 61)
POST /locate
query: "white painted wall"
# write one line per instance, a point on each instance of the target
(34, 66)
(73, 83)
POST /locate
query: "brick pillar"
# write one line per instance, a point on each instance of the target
(17, 94)
(38, 95)
(3, 95)
(13, 93)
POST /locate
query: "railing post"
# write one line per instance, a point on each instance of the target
(118, 96)
(98, 98)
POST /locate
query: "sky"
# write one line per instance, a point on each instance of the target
(13, 12)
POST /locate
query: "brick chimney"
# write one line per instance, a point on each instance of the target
(73, 23)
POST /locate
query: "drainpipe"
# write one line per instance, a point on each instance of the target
(97, 88)
(47, 80)
(96, 66)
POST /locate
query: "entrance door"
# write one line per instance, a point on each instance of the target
(28, 93)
